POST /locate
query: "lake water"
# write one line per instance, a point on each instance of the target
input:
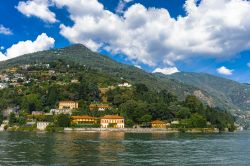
(124, 149)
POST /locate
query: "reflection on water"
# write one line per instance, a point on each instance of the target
(118, 148)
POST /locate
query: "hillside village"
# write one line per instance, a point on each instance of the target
(58, 95)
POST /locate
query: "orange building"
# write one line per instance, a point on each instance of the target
(68, 105)
(112, 121)
(159, 124)
(83, 119)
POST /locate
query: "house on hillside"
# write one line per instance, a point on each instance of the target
(99, 107)
(42, 125)
(10, 110)
(3, 85)
(159, 124)
(67, 104)
(60, 111)
(112, 121)
(84, 119)
(125, 84)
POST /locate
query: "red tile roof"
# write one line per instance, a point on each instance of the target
(82, 117)
(112, 117)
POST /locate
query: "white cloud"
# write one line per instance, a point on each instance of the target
(4, 30)
(166, 71)
(42, 42)
(138, 66)
(211, 29)
(38, 8)
(225, 71)
(151, 36)
(248, 64)
(2, 57)
(2, 48)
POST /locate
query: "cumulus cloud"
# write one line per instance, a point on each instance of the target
(38, 8)
(5, 31)
(224, 71)
(210, 28)
(2, 57)
(42, 42)
(2, 48)
(166, 71)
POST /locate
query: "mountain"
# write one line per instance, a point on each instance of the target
(81, 55)
(234, 94)
(214, 91)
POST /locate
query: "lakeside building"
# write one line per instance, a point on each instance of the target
(99, 107)
(112, 121)
(60, 111)
(175, 122)
(42, 125)
(85, 119)
(159, 124)
(67, 104)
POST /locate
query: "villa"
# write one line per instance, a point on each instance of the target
(60, 111)
(99, 107)
(112, 121)
(68, 105)
(83, 119)
(159, 124)
(125, 84)
(42, 125)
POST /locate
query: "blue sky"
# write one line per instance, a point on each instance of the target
(164, 35)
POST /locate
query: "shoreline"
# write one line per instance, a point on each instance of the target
(142, 130)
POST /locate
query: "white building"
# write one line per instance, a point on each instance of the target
(42, 125)
(125, 84)
(60, 111)
(112, 121)
(9, 110)
(3, 85)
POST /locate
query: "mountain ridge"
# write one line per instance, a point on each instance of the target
(177, 83)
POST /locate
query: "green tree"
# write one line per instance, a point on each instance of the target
(21, 121)
(1, 117)
(31, 103)
(62, 120)
(12, 119)
(194, 104)
(146, 118)
(197, 120)
(52, 96)
(183, 113)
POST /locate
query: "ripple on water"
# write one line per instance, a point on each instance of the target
(124, 149)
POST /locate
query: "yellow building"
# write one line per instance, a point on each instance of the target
(112, 121)
(12, 70)
(68, 105)
(159, 124)
(99, 107)
(83, 119)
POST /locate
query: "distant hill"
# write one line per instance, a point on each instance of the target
(212, 90)
(231, 92)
